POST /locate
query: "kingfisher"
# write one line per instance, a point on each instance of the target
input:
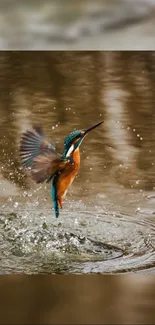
(39, 157)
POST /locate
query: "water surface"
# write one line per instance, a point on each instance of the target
(107, 221)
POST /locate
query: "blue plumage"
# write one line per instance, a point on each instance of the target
(69, 140)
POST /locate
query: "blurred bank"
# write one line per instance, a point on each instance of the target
(84, 24)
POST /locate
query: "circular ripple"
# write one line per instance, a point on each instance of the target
(76, 243)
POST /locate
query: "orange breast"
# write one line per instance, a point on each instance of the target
(67, 176)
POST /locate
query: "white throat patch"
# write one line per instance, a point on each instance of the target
(70, 150)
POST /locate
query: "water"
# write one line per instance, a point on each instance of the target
(107, 221)
(81, 241)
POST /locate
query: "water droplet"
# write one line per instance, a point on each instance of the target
(138, 181)
(53, 127)
(138, 135)
(16, 204)
(141, 138)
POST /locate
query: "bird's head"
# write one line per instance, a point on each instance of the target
(75, 138)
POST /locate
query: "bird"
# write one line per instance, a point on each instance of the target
(38, 156)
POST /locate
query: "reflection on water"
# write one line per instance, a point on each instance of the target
(112, 200)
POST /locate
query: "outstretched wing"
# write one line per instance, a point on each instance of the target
(39, 155)
(32, 144)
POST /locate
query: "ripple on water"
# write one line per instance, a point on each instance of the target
(80, 242)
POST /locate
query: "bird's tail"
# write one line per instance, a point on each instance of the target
(54, 197)
(56, 208)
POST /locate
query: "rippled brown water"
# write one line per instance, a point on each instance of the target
(107, 223)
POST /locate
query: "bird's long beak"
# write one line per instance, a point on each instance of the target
(85, 131)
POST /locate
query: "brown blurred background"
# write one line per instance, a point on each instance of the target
(83, 24)
(77, 299)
